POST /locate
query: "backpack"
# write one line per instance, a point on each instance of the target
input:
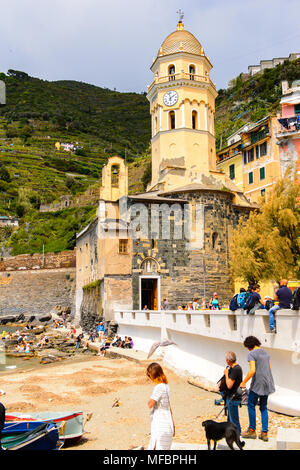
(241, 299)
(296, 299)
(249, 301)
(233, 303)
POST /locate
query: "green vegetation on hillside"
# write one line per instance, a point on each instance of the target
(38, 113)
(118, 120)
(55, 230)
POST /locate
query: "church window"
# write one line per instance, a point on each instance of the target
(171, 71)
(192, 72)
(115, 176)
(153, 244)
(214, 239)
(123, 246)
(171, 120)
(194, 120)
(155, 125)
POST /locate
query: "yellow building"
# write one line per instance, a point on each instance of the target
(261, 158)
(230, 161)
(251, 159)
(182, 106)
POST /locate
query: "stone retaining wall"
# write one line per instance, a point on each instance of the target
(64, 259)
(36, 292)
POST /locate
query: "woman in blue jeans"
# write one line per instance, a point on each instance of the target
(262, 385)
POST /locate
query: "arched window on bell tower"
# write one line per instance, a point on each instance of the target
(115, 176)
(192, 71)
(172, 120)
(194, 120)
(171, 72)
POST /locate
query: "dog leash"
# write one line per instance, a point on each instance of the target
(225, 407)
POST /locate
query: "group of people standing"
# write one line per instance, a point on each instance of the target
(262, 385)
(196, 304)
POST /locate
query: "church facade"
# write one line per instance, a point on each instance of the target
(173, 240)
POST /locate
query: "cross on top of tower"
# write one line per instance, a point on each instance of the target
(180, 25)
(181, 15)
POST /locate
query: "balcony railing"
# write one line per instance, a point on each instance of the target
(289, 125)
(181, 76)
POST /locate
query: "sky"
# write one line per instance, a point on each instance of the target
(111, 43)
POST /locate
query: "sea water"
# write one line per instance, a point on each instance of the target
(8, 363)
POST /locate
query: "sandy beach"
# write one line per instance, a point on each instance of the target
(94, 383)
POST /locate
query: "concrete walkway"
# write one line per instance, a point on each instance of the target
(251, 444)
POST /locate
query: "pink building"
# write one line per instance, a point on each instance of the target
(289, 134)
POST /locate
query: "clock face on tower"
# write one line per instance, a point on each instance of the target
(170, 98)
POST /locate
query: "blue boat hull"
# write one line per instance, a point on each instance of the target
(30, 436)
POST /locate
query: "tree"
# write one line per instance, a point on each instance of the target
(267, 246)
(4, 174)
(18, 74)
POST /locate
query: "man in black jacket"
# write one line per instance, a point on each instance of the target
(233, 377)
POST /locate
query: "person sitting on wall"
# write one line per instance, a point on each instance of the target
(78, 340)
(117, 342)
(284, 295)
(214, 303)
(106, 345)
(125, 340)
(256, 300)
(91, 337)
(128, 343)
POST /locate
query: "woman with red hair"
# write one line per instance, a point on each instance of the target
(162, 422)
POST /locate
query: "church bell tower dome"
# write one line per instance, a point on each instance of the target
(180, 41)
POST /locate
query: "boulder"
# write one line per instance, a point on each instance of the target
(8, 319)
(10, 342)
(48, 359)
(44, 318)
(20, 318)
(29, 318)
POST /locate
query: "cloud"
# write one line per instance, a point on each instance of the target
(112, 43)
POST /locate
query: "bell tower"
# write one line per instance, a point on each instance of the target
(182, 106)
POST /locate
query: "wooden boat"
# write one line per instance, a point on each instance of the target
(30, 436)
(73, 422)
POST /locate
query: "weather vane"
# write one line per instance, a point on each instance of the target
(181, 15)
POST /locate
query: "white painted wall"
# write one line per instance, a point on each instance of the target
(203, 337)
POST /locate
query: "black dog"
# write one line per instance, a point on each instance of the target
(215, 431)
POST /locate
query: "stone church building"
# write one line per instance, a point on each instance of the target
(173, 240)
